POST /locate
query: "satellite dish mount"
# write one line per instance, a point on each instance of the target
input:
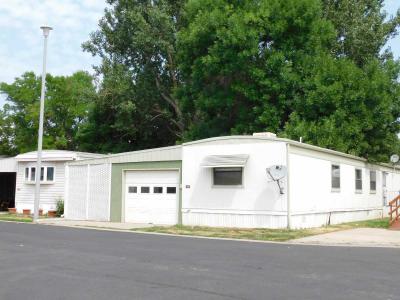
(277, 173)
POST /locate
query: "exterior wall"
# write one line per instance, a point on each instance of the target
(257, 203)
(118, 184)
(49, 193)
(8, 165)
(313, 202)
(88, 192)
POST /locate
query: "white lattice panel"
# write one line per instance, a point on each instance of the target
(76, 193)
(99, 192)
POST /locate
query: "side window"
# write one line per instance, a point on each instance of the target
(358, 174)
(50, 174)
(171, 190)
(372, 181)
(335, 177)
(132, 189)
(33, 174)
(26, 174)
(144, 190)
(227, 176)
(157, 190)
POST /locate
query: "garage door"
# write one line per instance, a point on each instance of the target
(152, 197)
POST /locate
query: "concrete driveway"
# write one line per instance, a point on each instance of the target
(361, 237)
(52, 262)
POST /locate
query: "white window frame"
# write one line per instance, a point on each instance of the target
(28, 179)
(226, 186)
(335, 189)
(371, 191)
(358, 191)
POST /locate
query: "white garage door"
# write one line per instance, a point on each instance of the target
(152, 197)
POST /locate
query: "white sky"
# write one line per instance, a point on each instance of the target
(73, 20)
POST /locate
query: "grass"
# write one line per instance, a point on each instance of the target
(15, 218)
(262, 234)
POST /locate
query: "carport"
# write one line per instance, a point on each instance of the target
(8, 177)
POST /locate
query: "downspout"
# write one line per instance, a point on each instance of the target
(288, 188)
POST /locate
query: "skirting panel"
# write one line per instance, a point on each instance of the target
(330, 218)
(233, 220)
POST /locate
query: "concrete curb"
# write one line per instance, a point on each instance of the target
(288, 243)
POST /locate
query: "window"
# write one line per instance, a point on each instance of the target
(335, 174)
(171, 190)
(372, 181)
(50, 174)
(26, 174)
(145, 190)
(33, 174)
(157, 190)
(358, 180)
(132, 189)
(227, 176)
(46, 174)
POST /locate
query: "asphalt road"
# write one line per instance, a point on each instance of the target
(46, 262)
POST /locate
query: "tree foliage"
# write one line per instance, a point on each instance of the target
(137, 41)
(292, 67)
(66, 108)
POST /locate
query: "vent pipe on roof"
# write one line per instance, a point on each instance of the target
(265, 134)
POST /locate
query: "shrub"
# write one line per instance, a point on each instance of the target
(60, 208)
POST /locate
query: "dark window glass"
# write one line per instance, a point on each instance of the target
(145, 190)
(50, 174)
(171, 190)
(26, 173)
(33, 172)
(132, 189)
(372, 180)
(41, 174)
(157, 190)
(228, 176)
(335, 176)
(358, 179)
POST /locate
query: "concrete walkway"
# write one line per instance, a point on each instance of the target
(92, 224)
(360, 237)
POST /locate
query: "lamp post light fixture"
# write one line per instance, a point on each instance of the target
(38, 171)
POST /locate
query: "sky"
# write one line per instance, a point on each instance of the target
(21, 42)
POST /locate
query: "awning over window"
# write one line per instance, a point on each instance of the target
(215, 161)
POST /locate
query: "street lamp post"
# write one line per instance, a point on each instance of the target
(38, 171)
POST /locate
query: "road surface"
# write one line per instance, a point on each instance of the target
(47, 262)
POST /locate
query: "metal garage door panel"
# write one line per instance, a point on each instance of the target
(152, 177)
(151, 207)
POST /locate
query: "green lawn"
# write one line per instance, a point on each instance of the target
(15, 218)
(278, 235)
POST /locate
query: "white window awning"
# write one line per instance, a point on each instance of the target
(216, 161)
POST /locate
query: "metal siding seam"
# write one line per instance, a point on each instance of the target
(288, 186)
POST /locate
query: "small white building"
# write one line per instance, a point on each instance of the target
(20, 173)
(224, 181)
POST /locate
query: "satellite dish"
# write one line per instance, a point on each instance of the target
(394, 158)
(277, 172)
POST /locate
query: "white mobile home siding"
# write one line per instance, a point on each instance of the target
(8, 165)
(257, 203)
(49, 193)
(314, 203)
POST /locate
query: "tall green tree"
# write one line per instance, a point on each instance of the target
(136, 40)
(281, 66)
(362, 28)
(7, 137)
(121, 119)
(243, 62)
(67, 101)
